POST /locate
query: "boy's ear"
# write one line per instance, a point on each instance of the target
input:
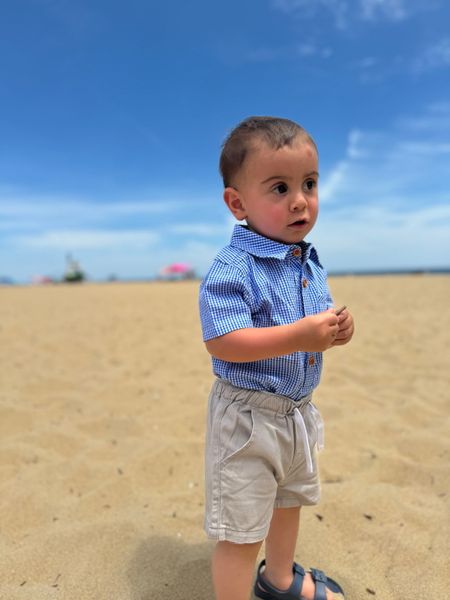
(234, 203)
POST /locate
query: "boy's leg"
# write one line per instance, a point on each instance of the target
(280, 546)
(233, 570)
(280, 550)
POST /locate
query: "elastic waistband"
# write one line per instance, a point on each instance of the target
(260, 399)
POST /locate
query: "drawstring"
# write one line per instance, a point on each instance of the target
(318, 422)
(318, 426)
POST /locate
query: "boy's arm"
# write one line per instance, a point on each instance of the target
(315, 333)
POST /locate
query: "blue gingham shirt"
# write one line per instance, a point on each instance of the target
(258, 282)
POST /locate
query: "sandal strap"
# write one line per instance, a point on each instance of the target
(297, 584)
(330, 583)
(320, 581)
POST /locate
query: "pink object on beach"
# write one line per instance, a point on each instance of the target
(177, 269)
(41, 279)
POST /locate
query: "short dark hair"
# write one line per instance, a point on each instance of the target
(275, 131)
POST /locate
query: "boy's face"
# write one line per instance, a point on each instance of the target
(276, 191)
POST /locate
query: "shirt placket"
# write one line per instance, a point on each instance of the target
(308, 309)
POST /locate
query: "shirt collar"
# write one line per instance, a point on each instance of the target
(258, 245)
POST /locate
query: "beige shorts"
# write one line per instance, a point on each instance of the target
(260, 455)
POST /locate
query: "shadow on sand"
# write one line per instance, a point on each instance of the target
(165, 568)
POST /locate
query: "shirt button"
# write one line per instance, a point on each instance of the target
(296, 251)
(305, 283)
(311, 361)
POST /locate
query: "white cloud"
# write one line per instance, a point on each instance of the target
(343, 172)
(410, 154)
(436, 56)
(440, 108)
(16, 204)
(393, 10)
(309, 49)
(309, 8)
(306, 49)
(62, 222)
(198, 229)
(367, 63)
(434, 122)
(264, 54)
(345, 11)
(333, 181)
(424, 148)
(355, 148)
(74, 240)
(375, 238)
(386, 203)
(303, 50)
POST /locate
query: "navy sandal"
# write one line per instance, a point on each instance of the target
(263, 589)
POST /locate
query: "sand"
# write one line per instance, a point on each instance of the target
(102, 406)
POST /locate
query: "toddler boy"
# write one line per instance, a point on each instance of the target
(267, 316)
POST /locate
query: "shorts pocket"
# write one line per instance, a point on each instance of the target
(237, 430)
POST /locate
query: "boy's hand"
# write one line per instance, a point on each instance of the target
(318, 332)
(346, 329)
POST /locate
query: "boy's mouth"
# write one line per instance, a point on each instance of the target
(299, 223)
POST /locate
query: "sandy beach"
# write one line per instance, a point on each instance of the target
(103, 392)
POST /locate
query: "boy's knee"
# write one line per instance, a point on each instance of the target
(250, 550)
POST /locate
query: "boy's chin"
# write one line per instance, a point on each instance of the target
(291, 237)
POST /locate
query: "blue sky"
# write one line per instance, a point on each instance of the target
(112, 115)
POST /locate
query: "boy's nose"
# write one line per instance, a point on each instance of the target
(298, 201)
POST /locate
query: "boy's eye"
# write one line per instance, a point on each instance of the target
(310, 184)
(280, 188)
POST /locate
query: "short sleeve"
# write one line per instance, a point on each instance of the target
(225, 301)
